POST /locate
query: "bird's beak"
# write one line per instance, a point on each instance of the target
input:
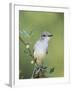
(50, 35)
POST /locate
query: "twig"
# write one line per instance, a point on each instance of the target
(30, 53)
(22, 41)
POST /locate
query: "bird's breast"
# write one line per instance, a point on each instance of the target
(41, 46)
(40, 50)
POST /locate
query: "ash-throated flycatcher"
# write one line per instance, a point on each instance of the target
(41, 47)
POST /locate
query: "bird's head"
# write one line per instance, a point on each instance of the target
(46, 35)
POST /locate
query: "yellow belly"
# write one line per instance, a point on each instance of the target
(39, 56)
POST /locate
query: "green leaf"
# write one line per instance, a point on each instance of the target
(26, 33)
(52, 70)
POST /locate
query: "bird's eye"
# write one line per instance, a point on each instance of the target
(43, 35)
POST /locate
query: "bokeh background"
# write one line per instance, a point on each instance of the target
(37, 22)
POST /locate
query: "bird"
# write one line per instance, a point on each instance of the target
(40, 49)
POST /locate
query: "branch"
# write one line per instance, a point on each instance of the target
(22, 41)
(30, 52)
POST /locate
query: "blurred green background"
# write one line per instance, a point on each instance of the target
(37, 22)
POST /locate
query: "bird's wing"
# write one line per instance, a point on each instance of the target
(47, 50)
